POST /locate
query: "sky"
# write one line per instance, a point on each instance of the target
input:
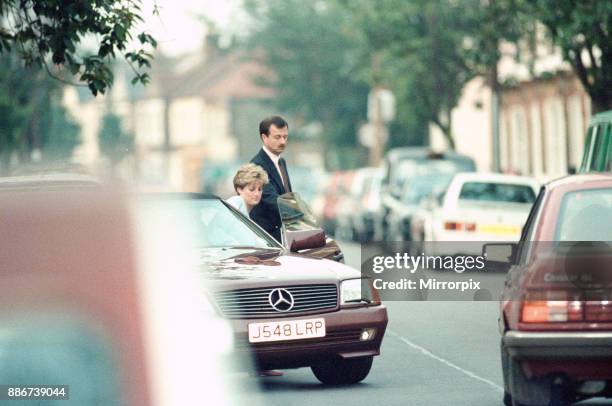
(178, 28)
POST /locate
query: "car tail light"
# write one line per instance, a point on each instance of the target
(551, 307)
(598, 306)
(458, 226)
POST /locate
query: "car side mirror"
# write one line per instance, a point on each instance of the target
(305, 239)
(500, 254)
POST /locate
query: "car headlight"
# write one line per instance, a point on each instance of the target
(358, 292)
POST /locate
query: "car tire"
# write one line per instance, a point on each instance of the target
(341, 371)
(524, 391)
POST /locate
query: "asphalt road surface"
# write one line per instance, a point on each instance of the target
(434, 353)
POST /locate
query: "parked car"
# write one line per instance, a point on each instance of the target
(401, 165)
(307, 180)
(475, 207)
(89, 301)
(216, 178)
(337, 188)
(359, 214)
(409, 203)
(597, 155)
(556, 308)
(288, 309)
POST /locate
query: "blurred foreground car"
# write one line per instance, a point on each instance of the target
(476, 207)
(88, 301)
(289, 310)
(556, 308)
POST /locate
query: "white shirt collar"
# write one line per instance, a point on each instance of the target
(275, 158)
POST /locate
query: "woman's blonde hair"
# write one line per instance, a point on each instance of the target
(249, 173)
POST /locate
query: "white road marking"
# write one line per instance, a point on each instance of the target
(428, 353)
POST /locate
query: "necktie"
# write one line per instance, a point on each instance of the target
(284, 175)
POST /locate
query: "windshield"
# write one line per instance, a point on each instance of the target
(497, 192)
(209, 223)
(295, 213)
(585, 216)
(419, 188)
(409, 169)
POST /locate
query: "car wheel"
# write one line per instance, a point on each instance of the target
(341, 371)
(524, 391)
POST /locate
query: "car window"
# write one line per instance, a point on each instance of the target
(422, 187)
(497, 192)
(585, 215)
(209, 223)
(295, 213)
(600, 151)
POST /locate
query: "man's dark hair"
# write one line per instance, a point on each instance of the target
(278, 121)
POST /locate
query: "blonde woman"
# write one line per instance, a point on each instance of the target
(248, 183)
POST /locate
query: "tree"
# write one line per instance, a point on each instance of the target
(32, 116)
(114, 142)
(54, 29)
(315, 62)
(422, 49)
(583, 31)
(62, 133)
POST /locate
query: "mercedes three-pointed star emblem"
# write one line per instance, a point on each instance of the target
(281, 300)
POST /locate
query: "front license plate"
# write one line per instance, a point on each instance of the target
(286, 330)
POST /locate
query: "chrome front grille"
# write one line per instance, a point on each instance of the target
(253, 303)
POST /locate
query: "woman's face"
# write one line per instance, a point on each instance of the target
(251, 193)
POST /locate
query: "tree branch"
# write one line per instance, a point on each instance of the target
(589, 47)
(576, 62)
(59, 79)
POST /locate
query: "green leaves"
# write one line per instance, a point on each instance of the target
(314, 58)
(31, 114)
(582, 29)
(52, 30)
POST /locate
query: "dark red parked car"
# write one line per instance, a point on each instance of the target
(556, 308)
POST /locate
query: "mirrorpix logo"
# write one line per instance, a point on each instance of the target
(281, 300)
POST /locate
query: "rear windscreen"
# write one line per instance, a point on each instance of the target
(497, 192)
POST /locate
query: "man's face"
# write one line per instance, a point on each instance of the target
(276, 140)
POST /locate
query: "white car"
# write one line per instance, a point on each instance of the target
(475, 207)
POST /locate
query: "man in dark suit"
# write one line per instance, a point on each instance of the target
(273, 132)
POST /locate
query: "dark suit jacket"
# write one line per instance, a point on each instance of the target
(266, 212)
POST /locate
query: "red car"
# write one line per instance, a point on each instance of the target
(556, 308)
(96, 308)
(287, 309)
